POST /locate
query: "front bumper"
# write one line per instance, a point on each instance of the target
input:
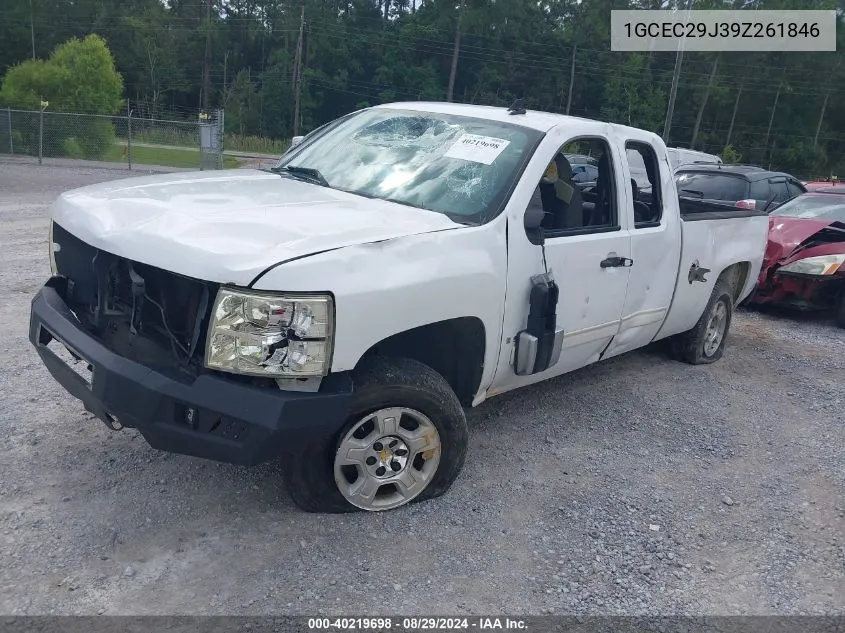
(210, 416)
(810, 293)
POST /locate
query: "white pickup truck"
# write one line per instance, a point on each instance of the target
(340, 310)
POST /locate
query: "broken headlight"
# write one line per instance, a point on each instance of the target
(819, 265)
(265, 334)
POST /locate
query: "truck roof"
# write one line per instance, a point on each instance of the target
(535, 119)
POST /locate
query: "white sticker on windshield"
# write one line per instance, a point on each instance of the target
(478, 149)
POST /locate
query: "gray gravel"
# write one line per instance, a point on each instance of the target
(638, 486)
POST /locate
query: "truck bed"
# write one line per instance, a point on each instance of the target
(713, 236)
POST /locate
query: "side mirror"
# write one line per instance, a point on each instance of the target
(296, 140)
(533, 221)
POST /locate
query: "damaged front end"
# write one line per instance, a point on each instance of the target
(127, 339)
(809, 276)
(142, 313)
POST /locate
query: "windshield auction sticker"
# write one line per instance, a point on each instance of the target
(478, 149)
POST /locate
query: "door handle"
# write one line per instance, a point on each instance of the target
(617, 262)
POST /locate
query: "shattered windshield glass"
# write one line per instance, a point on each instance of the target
(825, 206)
(460, 166)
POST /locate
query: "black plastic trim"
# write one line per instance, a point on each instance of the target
(587, 230)
(212, 416)
(722, 215)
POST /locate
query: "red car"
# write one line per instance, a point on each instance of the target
(804, 262)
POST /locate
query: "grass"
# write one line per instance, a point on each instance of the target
(162, 156)
(261, 145)
(168, 136)
(189, 138)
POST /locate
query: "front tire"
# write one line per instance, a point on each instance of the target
(705, 343)
(404, 441)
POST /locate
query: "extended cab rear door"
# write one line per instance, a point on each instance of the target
(651, 208)
(587, 251)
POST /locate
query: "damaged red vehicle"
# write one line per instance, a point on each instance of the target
(804, 262)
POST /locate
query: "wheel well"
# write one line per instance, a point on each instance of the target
(454, 348)
(736, 275)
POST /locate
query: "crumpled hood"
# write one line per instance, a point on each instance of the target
(230, 226)
(786, 234)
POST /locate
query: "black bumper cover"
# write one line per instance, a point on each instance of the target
(211, 416)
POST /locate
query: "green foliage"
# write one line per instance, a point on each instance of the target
(630, 100)
(25, 85)
(79, 76)
(257, 144)
(98, 137)
(730, 156)
(87, 80)
(72, 149)
(241, 105)
(364, 52)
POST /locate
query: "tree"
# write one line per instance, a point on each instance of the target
(79, 77)
(241, 104)
(630, 100)
(365, 52)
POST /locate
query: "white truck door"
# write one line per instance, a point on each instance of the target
(587, 249)
(655, 246)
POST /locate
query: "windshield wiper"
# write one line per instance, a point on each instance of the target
(768, 203)
(304, 173)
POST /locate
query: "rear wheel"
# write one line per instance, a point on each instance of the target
(404, 441)
(705, 343)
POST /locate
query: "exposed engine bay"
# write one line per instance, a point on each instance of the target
(148, 315)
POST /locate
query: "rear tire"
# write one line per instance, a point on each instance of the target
(705, 343)
(397, 389)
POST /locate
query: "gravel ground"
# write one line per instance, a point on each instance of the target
(637, 486)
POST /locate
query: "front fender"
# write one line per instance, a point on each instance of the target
(384, 288)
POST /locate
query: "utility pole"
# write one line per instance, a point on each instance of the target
(679, 56)
(261, 94)
(670, 110)
(455, 52)
(225, 74)
(821, 118)
(772, 116)
(206, 80)
(733, 116)
(32, 29)
(297, 74)
(571, 79)
(704, 102)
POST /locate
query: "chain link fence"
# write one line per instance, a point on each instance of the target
(115, 139)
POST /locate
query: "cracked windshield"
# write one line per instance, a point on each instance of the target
(819, 207)
(460, 166)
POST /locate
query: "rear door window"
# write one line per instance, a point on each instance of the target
(645, 172)
(794, 188)
(779, 191)
(760, 190)
(712, 186)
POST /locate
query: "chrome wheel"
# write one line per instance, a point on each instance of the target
(387, 458)
(715, 332)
